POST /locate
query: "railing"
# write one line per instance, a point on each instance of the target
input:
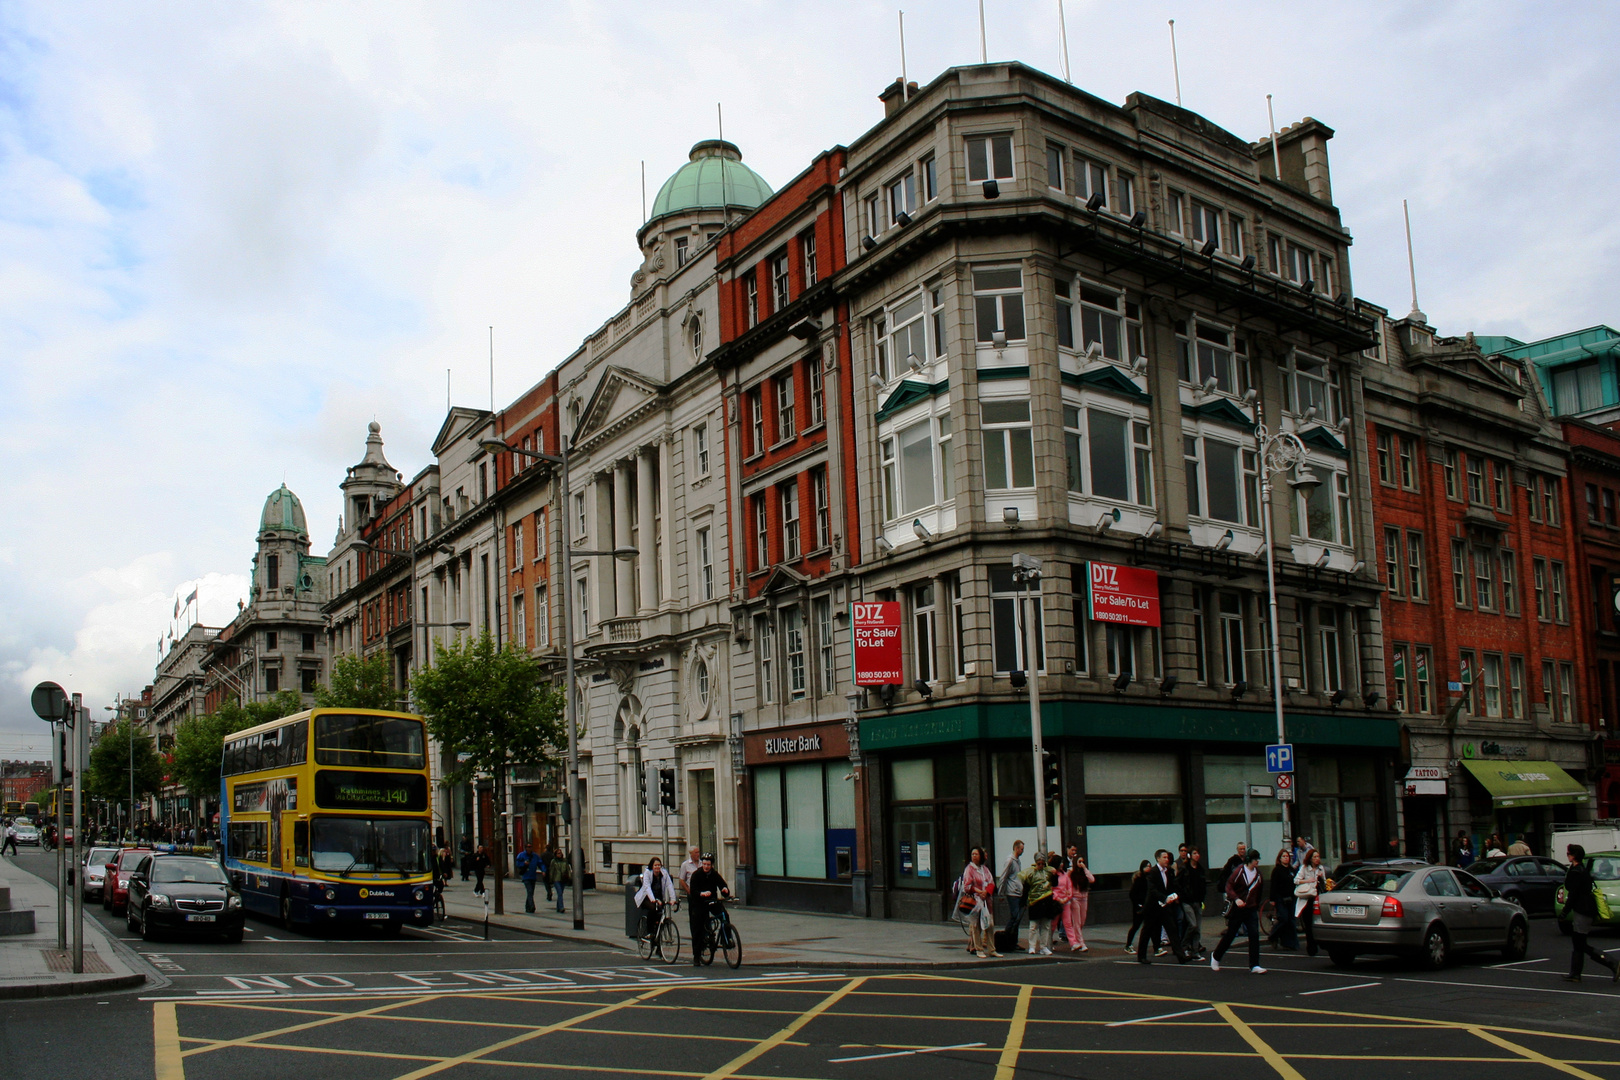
(622, 629)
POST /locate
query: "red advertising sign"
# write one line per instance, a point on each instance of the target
(877, 643)
(1123, 594)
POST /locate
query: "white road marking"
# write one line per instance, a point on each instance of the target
(907, 1053)
(293, 993)
(1505, 986)
(1336, 989)
(1516, 963)
(1163, 1016)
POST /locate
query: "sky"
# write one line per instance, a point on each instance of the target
(231, 235)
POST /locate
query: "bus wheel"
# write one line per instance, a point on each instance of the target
(286, 913)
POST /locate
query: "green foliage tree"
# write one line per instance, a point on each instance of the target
(359, 684)
(489, 709)
(109, 770)
(200, 741)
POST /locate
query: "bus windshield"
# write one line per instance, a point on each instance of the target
(375, 742)
(338, 845)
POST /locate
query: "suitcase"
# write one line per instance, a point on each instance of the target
(1006, 941)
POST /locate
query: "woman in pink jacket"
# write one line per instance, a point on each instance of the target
(1074, 892)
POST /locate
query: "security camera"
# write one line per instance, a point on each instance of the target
(921, 530)
(999, 339)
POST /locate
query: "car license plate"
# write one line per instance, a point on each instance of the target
(1350, 911)
(199, 918)
(376, 914)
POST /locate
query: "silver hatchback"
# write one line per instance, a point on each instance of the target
(1430, 912)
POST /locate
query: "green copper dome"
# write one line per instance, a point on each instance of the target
(713, 178)
(283, 511)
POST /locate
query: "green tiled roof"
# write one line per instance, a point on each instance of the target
(714, 177)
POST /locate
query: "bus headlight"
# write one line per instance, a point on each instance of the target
(331, 894)
(420, 896)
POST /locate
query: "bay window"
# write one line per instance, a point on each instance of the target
(1223, 480)
(1117, 457)
(1010, 647)
(1009, 449)
(998, 303)
(1315, 384)
(1213, 352)
(1325, 510)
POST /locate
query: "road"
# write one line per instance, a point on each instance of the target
(446, 1003)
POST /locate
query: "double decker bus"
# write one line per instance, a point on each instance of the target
(325, 819)
(12, 808)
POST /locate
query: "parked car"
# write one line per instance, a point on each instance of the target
(183, 894)
(1605, 869)
(1531, 880)
(95, 870)
(27, 834)
(115, 889)
(1429, 912)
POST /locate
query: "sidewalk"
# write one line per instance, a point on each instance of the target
(786, 938)
(31, 966)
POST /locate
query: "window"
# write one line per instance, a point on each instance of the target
(700, 447)
(936, 316)
(788, 501)
(309, 642)
(1234, 244)
(930, 178)
(517, 547)
(1516, 687)
(542, 619)
(989, 157)
(807, 256)
(751, 292)
(1459, 572)
(1491, 686)
(998, 303)
(1538, 580)
(947, 490)
(1100, 324)
(1510, 582)
(902, 195)
(273, 572)
(1408, 453)
(1297, 267)
(1011, 649)
(1211, 354)
(953, 590)
(890, 466)
(1325, 509)
(1484, 578)
(762, 533)
(1055, 158)
(1229, 480)
(1173, 212)
(1392, 561)
(1078, 586)
(1273, 253)
(1566, 693)
(579, 516)
(1450, 467)
(1200, 638)
(823, 523)
(1608, 506)
(582, 595)
(1316, 386)
(1400, 674)
(1476, 479)
(307, 679)
(1332, 661)
(908, 468)
(1009, 450)
(1125, 195)
(1386, 463)
(680, 251)
(1577, 388)
(874, 215)
(1119, 455)
(1500, 494)
(1549, 687)
(818, 394)
(1206, 223)
(520, 630)
(694, 330)
(1062, 289)
(825, 640)
(925, 631)
(793, 640)
(779, 280)
(767, 666)
(1423, 664)
(785, 428)
(756, 420)
(1091, 179)
(542, 534)
(906, 347)
(1560, 597)
(705, 554)
(270, 637)
(1232, 640)
(1549, 499)
(272, 680)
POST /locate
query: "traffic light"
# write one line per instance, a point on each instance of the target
(1051, 776)
(666, 788)
(641, 779)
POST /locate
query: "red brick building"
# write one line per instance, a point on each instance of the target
(20, 781)
(1594, 474)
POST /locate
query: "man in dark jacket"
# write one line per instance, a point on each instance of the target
(1245, 889)
(1157, 909)
(1192, 886)
(1582, 908)
(704, 889)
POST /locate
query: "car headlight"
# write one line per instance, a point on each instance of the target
(157, 899)
(233, 901)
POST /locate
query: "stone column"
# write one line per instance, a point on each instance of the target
(666, 516)
(624, 602)
(647, 525)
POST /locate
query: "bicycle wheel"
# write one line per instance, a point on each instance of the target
(706, 953)
(1268, 921)
(669, 941)
(644, 941)
(731, 946)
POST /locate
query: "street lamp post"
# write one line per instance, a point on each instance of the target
(572, 804)
(1279, 452)
(1027, 569)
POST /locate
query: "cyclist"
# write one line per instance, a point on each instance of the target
(704, 890)
(657, 890)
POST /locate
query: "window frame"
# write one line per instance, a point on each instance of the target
(1000, 302)
(989, 162)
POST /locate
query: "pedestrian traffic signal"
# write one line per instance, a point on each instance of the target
(1051, 776)
(641, 780)
(666, 788)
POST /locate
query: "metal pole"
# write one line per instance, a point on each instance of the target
(58, 760)
(131, 722)
(81, 720)
(576, 858)
(1248, 821)
(1038, 753)
(1276, 641)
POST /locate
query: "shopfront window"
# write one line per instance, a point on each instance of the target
(1012, 789)
(1343, 808)
(1225, 777)
(1133, 807)
(804, 820)
(928, 832)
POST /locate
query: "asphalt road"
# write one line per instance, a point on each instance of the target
(445, 1003)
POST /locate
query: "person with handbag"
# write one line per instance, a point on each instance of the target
(1581, 901)
(1038, 884)
(974, 890)
(1308, 884)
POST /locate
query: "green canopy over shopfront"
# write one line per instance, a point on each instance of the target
(1526, 783)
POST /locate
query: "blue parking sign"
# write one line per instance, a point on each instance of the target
(1280, 758)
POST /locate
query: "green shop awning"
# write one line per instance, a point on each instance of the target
(1526, 783)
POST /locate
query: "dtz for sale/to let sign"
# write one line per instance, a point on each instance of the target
(877, 643)
(1124, 594)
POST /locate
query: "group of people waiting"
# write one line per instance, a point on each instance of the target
(1054, 891)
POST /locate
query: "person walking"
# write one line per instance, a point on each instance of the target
(1038, 885)
(1138, 897)
(1581, 902)
(480, 866)
(444, 867)
(1157, 903)
(466, 857)
(974, 890)
(11, 839)
(1011, 886)
(1192, 887)
(1519, 847)
(1080, 879)
(561, 874)
(1283, 934)
(527, 865)
(1244, 889)
(1309, 881)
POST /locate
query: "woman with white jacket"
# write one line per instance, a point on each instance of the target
(657, 891)
(1308, 885)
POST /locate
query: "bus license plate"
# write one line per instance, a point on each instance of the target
(376, 914)
(199, 918)
(1350, 911)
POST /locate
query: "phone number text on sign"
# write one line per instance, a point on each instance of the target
(1123, 594)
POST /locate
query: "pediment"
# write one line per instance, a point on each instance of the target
(457, 422)
(1322, 438)
(620, 395)
(1221, 411)
(784, 579)
(1110, 380)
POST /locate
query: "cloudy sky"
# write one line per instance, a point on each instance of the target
(233, 234)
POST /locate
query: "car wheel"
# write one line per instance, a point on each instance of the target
(129, 920)
(1341, 957)
(1436, 948)
(1518, 941)
(147, 933)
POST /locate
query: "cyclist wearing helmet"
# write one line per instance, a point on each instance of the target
(705, 889)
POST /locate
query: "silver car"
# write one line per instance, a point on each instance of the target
(1429, 912)
(95, 870)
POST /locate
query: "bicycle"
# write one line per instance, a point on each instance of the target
(438, 902)
(668, 942)
(724, 936)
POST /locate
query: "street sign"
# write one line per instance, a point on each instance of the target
(1260, 791)
(1280, 758)
(877, 643)
(1285, 781)
(50, 702)
(1285, 794)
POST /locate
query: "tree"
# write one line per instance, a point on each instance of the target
(490, 709)
(359, 684)
(109, 771)
(199, 742)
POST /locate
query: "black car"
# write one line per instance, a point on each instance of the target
(183, 894)
(1530, 881)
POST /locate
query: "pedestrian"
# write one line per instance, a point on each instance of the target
(1582, 905)
(691, 866)
(444, 868)
(1078, 902)
(561, 874)
(1138, 896)
(1038, 886)
(1158, 904)
(974, 890)
(656, 893)
(1493, 848)
(11, 839)
(1192, 887)
(1308, 884)
(1283, 934)
(480, 866)
(1011, 886)
(466, 857)
(1519, 847)
(527, 865)
(1243, 890)
(1463, 849)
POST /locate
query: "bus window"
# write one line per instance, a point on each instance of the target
(299, 743)
(301, 843)
(378, 742)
